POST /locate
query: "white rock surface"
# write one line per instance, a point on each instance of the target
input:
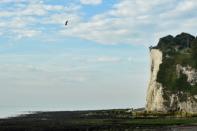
(155, 91)
(189, 72)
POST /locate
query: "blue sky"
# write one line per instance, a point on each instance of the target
(100, 60)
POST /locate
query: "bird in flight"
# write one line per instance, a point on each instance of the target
(66, 23)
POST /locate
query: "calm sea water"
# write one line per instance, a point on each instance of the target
(11, 111)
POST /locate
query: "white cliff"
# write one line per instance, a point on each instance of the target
(173, 80)
(155, 92)
(174, 101)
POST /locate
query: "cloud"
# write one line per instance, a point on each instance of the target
(91, 2)
(29, 19)
(182, 9)
(12, 1)
(120, 24)
(107, 59)
(25, 71)
(26, 33)
(71, 13)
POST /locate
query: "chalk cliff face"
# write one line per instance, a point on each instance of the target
(173, 80)
(155, 91)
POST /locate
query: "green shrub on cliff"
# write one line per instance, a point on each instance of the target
(182, 50)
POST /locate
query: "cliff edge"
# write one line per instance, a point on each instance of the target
(173, 80)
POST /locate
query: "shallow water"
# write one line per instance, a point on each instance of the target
(12, 111)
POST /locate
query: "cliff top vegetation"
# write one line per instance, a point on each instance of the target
(178, 50)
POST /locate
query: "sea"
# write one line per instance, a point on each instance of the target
(13, 111)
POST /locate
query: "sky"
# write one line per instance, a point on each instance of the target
(100, 60)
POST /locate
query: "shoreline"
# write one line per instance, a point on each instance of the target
(115, 119)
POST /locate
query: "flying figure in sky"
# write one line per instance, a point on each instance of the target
(66, 23)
